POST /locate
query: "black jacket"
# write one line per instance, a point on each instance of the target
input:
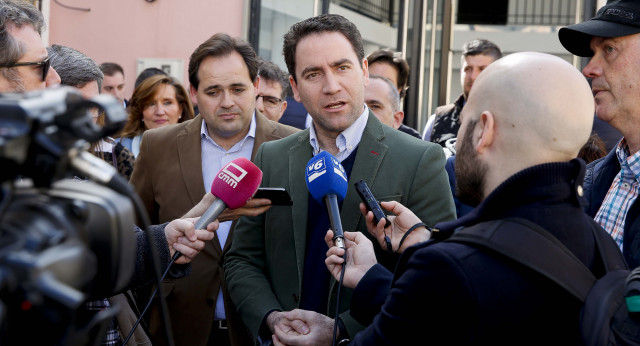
(144, 272)
(447, 122)
(455, 294)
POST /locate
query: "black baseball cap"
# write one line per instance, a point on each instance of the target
(616, 18)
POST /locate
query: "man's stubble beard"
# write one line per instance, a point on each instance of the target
(470, 171)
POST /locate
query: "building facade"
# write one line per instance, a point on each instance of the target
(430, 33)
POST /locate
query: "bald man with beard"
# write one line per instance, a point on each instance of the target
(526, 118)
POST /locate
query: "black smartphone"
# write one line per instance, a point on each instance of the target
(372, 204)
(277, 195)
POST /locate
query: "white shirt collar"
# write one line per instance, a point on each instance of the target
(347, 141)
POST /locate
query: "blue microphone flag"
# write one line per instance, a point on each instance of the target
(325, 176)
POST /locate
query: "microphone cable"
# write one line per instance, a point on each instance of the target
(335, 323)
(120, 185)
(175, 256)
(135, 325)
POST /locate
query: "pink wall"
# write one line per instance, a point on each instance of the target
(124, 30)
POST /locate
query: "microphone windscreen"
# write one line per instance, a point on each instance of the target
(236, 182)
(325, 176)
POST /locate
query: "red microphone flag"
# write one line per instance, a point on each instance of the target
(236, 182)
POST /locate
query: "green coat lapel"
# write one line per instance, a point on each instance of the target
(299, 155)
(371, 152)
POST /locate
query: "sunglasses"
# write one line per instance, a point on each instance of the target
(45, 64)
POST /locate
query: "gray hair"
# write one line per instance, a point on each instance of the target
(394, 95)
(18, 13)
(75, 69)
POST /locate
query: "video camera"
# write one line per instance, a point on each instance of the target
(63, 240)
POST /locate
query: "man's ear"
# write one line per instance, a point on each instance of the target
(256, 84)
(486, 135)
(397, 119)
(193, 94)
(294, 88)
(365, 71)
(284, 107)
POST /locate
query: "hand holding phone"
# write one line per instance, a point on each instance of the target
(372, 204)
(277, 195)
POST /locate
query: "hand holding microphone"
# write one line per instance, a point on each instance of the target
(233, 186)
(327, 182)
(361, 258)
(182, 237)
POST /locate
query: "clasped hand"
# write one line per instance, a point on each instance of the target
(300, 327)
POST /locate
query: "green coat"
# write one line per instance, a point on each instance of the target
(264, 265)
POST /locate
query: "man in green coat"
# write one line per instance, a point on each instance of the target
(276, 261)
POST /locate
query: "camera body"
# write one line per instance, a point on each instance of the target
(63, 240)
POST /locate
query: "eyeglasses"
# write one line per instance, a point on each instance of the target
(45, 64)
(270, 101)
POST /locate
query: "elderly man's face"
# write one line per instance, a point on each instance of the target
(29, 77)
(377, 97)
(615, 80)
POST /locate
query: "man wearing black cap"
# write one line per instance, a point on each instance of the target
(612, 40)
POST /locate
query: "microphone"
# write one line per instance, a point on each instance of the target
(233, 186)
(327, 181)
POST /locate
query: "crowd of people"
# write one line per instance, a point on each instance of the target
(518, 142)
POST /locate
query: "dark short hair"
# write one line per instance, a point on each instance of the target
(75, 68)
(272, 72)
(394, 59)
(315, 25)
(148, 72)
(220, 45)
(111, 68)
(481, 46)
